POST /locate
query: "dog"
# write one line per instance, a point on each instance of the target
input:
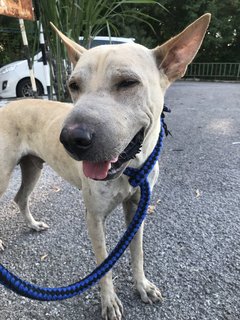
(118, 94)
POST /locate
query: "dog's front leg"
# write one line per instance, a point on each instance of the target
(111, 305)
(149, 292)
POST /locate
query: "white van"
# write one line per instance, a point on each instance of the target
(15, 80)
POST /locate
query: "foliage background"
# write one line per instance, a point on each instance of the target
(221, 44)
(223, 41)
(149, 22)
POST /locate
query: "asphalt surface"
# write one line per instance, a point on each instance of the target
(191, 240)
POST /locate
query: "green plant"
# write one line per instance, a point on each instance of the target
(87, 18)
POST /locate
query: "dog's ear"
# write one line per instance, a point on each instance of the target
(174, 56)
(74, 50)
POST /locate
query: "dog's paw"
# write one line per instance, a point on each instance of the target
(38, 226)
(112, 308)
(1, 245)
(148, 291)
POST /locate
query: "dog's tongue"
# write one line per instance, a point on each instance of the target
(97, 170)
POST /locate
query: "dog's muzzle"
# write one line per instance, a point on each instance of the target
(79, 143)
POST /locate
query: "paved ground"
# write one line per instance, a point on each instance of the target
(192, 242)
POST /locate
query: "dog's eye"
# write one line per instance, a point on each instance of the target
(125, 84)
(73, 86)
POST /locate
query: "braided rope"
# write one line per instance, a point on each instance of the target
(137, 177)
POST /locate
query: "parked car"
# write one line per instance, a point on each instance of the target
(97, 41)
(15, 80)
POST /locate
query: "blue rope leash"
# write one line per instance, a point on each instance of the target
(137, 177)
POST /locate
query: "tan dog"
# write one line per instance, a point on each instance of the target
(117, 93)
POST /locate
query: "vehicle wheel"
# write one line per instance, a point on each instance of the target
(24, 88)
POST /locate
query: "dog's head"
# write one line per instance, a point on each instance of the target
(118, 92)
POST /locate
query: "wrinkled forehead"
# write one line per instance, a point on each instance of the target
(116, 58)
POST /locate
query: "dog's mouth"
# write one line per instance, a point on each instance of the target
(107, 170)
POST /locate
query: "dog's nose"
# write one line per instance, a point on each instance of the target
(79, 137)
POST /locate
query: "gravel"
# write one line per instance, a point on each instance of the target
(191, 240)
